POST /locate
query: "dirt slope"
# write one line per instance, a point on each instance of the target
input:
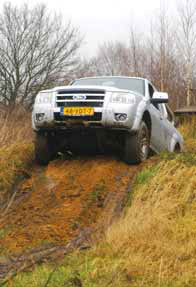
(58, 201)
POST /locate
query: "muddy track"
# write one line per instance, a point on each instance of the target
(60, 207)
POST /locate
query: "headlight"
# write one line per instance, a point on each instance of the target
(123, 98)
(44, 98)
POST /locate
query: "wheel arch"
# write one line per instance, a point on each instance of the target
(142, 114)
(175, 144)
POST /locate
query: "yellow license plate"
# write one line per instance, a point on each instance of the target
(78, 111)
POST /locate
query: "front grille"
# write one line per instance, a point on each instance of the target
(88, 97)
(60, 118)
(80, 104)
(83, 91)
(80, 98)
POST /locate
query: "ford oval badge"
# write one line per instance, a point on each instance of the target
(79, 97)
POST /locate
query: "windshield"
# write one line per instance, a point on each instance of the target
(132, 84)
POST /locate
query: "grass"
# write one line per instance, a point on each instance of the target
(152, 245)
(100, 266)
(157, 235)
(2, 233)
(188, 128)
(146, 174)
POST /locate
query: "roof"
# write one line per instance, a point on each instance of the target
(186, 110)
(95, 77)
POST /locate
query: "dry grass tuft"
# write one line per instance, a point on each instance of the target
(14, 163)
(16, 149)
(15, 127)
(188, 129)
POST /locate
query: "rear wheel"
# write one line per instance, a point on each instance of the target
(177, 148)
(137, 146)
(44, 148)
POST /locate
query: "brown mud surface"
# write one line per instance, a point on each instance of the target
(60, 200)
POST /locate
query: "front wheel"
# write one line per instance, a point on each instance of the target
(44, 149)
(137, 146)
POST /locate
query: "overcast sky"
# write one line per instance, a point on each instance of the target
(102, 20)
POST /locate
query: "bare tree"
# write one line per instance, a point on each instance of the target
(86, 68)
(112, 59)
(187, 42)
(137, 53)
(163, 43)
(163, 64)
(36, 50)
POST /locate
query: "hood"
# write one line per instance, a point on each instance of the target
(92, 87)
(95, 87)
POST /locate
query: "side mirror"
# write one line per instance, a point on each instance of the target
(159, 98)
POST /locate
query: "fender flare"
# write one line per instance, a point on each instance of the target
(142, 108)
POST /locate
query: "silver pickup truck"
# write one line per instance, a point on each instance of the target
(103, 113)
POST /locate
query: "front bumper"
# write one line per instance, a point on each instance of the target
(46, 117)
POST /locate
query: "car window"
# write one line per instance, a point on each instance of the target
(127, 83)
(151, 90)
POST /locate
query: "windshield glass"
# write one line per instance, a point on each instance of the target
(132, 84)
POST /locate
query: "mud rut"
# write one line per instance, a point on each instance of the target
(64, 206)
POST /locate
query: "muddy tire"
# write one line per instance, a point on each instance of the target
(137, 146)
(44, 149)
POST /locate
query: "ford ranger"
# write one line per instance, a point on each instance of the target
(101, 113)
